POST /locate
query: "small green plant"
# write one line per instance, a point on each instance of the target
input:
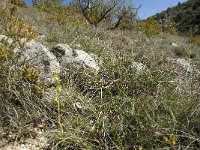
(170, 139)
(32, 77)
(57, 97)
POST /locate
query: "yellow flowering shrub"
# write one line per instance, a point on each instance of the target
(14, 27)
(16, 30)
(151, 27)
(172, 139)
(32, 77)
(20, 90)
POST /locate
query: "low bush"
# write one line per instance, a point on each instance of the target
(169, 27)
(194, 40)
(120, 109)
(151, 27)
(20, 92)
(20, 3)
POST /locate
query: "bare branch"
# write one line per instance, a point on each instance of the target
(116, 11)
(119, 20)
(89, 7)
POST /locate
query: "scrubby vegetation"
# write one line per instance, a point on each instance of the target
(194, 39)
(120, 107)
(19, 92)
(186, 17)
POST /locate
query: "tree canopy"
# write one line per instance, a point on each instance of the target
(185, 15)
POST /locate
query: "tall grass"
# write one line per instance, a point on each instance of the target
(117, 107)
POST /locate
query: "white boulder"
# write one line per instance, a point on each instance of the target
(3, 37)
(41, 59)
(183, 63)
(139, 67)
(78, 58)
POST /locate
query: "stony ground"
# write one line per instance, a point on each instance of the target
(27, 138)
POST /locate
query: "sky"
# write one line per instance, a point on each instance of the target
(149, 7)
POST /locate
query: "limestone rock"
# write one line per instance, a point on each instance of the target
(41, 38)
(3, 37)
(183, 63)
(139, 67)
(175, 45)
(78, 58)
(40, 58)
(22, 148)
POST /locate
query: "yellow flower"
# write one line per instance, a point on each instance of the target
(59, 89)
(56, 99)
(2, 55)
(140, 148)
(174, 140)
(54, 72)
(166, 139)
(56, 78)
(23, 24)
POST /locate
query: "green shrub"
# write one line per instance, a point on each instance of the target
(194, 40)
(21, 93)
(169, 27)
(63, 15)
(151, 27)
(18, 3)
(125, 110)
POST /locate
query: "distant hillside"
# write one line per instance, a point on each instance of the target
(185, 15)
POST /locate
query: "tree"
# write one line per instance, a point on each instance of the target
(125, 17)
(35, 2)
(95, 11)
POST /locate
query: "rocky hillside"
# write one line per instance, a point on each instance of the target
(65, 84)
(185, 15)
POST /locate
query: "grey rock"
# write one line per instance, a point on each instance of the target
(175, 45)
(50, 94)
(139, 67)
(22, 149)
(41, 38)
(41, 59)
(3, 37)
(184, 64)
(78, 58)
